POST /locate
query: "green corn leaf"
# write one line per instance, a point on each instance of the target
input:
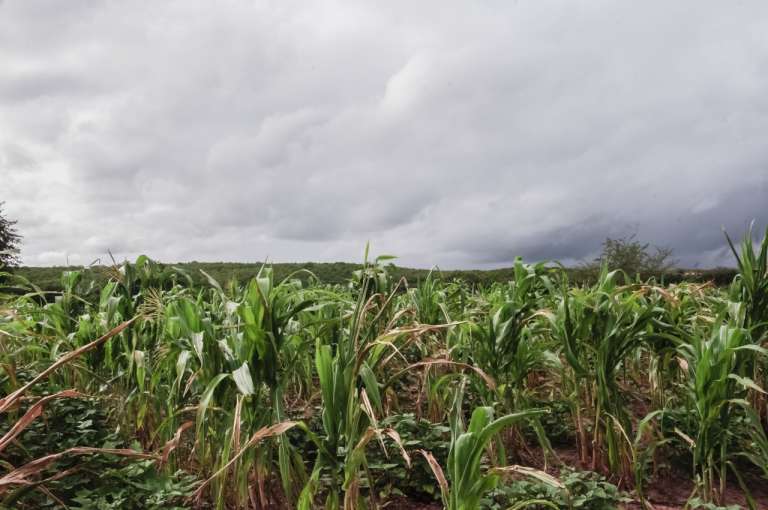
(371, 387)
(205, 401)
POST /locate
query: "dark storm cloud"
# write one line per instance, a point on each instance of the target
(455, 136)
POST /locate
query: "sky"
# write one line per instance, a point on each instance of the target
(458, 134)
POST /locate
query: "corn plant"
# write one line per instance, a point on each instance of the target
(716, 391)
(346, 364)
(751, 288)
(684, 309)
(242, 368)
(428, 301)
(751, 284)
(509, 347)
(465, 483)
(598, 328)
(757, 449)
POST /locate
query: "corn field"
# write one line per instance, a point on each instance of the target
(154, 392)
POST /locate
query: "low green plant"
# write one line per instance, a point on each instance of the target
(393, 475)
(99, 481)
(137, 486)
(699, 504)
(579, 490)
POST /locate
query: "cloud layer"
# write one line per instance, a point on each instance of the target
(452, 134)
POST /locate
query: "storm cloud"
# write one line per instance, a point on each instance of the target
(458, 134)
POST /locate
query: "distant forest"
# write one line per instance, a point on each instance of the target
(49, 278)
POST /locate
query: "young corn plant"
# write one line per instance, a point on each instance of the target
(751, 284)
(508, 348)
(757, 450)
(508, 345)
(347, 363)
(428, 300)
(598, 328)
(716, 390)
(465, 483)
(751, 288)
(686, 308)
(228, 354)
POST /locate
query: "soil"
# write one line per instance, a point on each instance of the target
(406, 504)
(669, 491)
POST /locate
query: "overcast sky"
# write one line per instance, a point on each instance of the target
(453, 133)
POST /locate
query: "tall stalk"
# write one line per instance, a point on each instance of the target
(716, 392)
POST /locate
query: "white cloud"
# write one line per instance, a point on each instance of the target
(454, 135)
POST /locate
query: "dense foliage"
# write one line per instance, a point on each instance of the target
(632, 257)
(9, 242)
(49, 278)
(165, 387)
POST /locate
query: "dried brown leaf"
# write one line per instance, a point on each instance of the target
(392, 433)
(430, 362)
(438, 471)
(259, 435)
(21, 475)
(533, 473)
(173, 443)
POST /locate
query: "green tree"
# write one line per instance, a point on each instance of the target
(633, 257)
(9, 241)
